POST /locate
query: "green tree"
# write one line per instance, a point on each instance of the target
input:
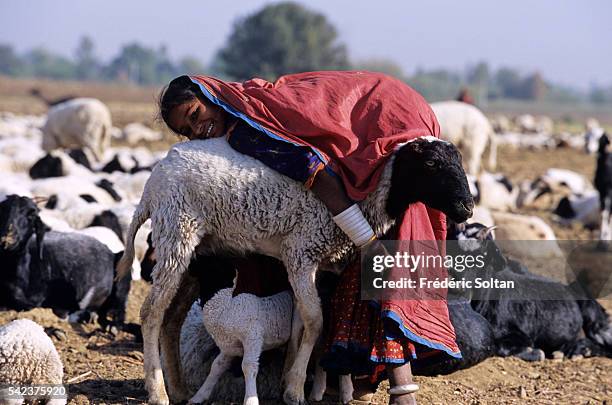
(386, 66)
(43, 63)
(190, 65)
(87, 66)
(279, 39)
(135, 63)
(10, 63)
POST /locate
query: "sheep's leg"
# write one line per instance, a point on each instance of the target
(302, 279)
(220, 365)
(174, 254)
(250, 365)
(297, 328)
(346, 388)
(606, 231)
(170, 336)
(319, 384)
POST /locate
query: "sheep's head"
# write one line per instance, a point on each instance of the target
(18, 221)
(429, 170)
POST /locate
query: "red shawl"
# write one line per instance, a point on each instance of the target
(354, 120)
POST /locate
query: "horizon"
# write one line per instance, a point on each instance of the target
(526, 36)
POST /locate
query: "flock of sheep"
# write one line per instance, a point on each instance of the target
(71, 206)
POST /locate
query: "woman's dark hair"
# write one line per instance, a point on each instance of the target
(179, 91)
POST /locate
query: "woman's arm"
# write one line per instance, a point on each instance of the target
(330, 190)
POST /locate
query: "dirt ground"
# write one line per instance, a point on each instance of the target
(99, 369)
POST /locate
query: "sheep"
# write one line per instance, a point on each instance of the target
(537, 316)
(603, 183)
(80, 122)
(593, 132)
(28, 357)
(70, 273)
(136, 133)
(494, 191)
(526, 123)
(58, 164)
(102, 190)
(516, 232)
(201, 189)
(554, 184)
(244, 325)
(583, 209)
(468, 128)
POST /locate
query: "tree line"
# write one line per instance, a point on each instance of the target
(278, 39)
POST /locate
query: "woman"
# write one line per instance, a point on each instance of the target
(332, 131)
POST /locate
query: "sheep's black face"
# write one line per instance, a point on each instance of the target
(18, 220)
(48, 166)
(430, 171)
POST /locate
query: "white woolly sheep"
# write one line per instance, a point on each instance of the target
(201, 189)
(244, 325)
(468, 128)
(28, 357)
(80, 122)
(516, 233)
(494, 191)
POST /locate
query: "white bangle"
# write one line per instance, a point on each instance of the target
(404, 389)
(354, 225)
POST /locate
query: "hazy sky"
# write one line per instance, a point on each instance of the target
(569, 41)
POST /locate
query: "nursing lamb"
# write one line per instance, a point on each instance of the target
(205, 193)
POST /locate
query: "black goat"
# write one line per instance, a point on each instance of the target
(603, 184)
(50, 102)
(70, 273)
(527, 328)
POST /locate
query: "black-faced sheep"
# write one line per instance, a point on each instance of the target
(204, 190)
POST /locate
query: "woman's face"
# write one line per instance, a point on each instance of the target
(197, 120)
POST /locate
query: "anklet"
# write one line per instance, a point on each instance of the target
(403, 389)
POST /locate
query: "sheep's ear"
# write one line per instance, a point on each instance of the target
(40, 229)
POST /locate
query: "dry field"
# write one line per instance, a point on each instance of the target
(102, 370)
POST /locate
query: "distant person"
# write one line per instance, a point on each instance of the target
(465, 96)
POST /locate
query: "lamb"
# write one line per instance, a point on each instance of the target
(80, 122)
(28, 357)
(200, 191)
(468, 128)
(244, 325)
(603, 183)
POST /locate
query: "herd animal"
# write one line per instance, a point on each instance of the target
(67, 199)
(196, 192)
